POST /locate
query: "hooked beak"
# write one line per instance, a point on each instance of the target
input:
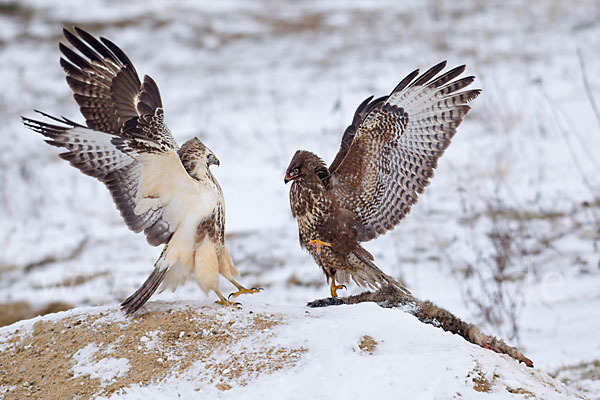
(213, 160)
(289, 177)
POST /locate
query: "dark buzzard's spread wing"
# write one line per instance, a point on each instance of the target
(364, 113)
(399, 138)
(125, 126)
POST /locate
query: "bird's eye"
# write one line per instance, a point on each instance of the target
(295, 171)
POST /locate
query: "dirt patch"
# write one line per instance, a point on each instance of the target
(223, 386)
(13, 312)
(583, 376)
(294, 280)
(152, 346)
(77, 280)
(367, 344)
(480, 382)
(527, 394)
(310, 22)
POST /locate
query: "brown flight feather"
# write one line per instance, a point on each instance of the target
(387, 157)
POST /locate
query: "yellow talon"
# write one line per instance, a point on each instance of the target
(320, 244)
(334, 288)
(243, 290)
(226, 303)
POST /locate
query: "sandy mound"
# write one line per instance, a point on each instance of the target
(260, 351)
(99, 353)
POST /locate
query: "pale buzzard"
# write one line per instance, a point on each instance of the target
(386, 159)
(166, 191)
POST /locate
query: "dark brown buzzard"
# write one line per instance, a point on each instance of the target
(166, 191)
(387, 157)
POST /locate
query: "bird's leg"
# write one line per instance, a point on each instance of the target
(334, 288)
(224, 302)
(241, 289)
(320, 244)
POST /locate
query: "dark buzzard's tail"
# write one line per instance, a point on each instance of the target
(141, 296)
(366, 274)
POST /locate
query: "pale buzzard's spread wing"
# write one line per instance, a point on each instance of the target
(126, 144)
(107, 88)
(141, 175)
(389, 160)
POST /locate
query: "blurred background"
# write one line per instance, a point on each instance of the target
(507, 236)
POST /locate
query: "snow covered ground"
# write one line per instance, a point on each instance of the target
(506, 236)
(262, 351)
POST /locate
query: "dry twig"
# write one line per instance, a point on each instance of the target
(428, 313)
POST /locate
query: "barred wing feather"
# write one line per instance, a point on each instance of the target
(125, 164)
(125, 131)
(395, 149)
(107, 88)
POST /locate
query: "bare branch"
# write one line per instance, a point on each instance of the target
(588, 87)
(428, 313)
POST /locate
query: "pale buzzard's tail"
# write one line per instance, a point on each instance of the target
(141, 296)
(366, 274)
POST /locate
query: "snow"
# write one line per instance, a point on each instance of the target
(149, 341)
(409, 359)
(258, 80)
(106, 369)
